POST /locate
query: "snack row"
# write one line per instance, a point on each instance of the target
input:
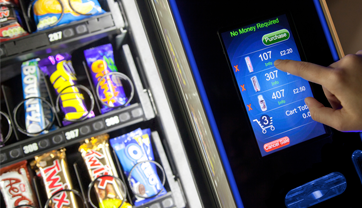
(45, 14)
(71, 100)
(134, 151)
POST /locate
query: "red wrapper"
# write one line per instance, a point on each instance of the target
(15, 185)
(9, 23)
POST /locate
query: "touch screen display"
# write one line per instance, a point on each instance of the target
(274, 100)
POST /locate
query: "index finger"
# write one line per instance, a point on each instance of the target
(312, 72)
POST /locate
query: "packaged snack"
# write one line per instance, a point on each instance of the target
(15, 185)
(10, 20)
(131, 149)
(9, 2)
(100, 62)
(53, 169)
(97, 157)
(61, 74)
(50, 13)
(37, 114)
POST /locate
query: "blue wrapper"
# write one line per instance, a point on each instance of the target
(37, 115)
(100, 62)
(136, 147)
(47, 12)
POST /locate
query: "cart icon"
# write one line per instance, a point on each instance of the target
(265, 123)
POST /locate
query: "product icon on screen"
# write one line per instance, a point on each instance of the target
(265, 123)
(262, 103)
(255, 82)
(248, 63)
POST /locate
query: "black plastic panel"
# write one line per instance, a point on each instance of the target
(71, 134)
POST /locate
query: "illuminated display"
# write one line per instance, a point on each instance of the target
(274, 100)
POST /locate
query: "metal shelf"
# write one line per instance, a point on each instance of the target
(62, 37)
(75, 133)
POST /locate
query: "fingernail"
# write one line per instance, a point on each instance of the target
(277, 62)
(306, 101)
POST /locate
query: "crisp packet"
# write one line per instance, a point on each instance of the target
(131, 149)
(97, 157)
(100, 62)
(10, 23)
(49, 12)
(15, 185)
(53, 168)
(37, 115)
(61, 74)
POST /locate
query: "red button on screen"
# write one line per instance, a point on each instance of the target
(276, 144)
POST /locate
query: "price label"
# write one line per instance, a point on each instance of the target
(55, 36)
(30, 148)
(72, 134)
(112, 121)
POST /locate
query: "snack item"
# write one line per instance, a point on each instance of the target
(61, 74)
(37, 115)
(131, 149)
(100, 62)
(48, 12)
(15, 185)
(53, 169)
(9, 2)
(96, 155)
(10, 23)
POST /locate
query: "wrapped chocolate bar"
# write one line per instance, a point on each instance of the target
(133, 148)
(15, 185)
(62, 76)
(10, 22)
(38, 115)
(100, 62)
(96, 155)
(53, 169)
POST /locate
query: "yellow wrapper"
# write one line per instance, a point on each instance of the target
(97, 157)
(53, 169)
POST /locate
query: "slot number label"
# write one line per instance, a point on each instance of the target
(112, 121)
(30, 148)
(55, 36)
(72, 134)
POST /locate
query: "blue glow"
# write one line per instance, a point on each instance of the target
(316, 191)
(326, 30)
(206, 104)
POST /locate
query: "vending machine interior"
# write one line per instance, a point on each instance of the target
(255, 133)
(85, 116)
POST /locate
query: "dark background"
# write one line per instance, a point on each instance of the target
(264, 182)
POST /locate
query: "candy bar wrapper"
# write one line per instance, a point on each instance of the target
(97, 157)
(53, 169)
(100, 62)
(37, 115)
(47, 12)
(61, 73)
(15, 185)
(10, 23)
(9, 2)
(131, 149)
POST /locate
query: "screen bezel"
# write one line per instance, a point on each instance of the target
(317, 90)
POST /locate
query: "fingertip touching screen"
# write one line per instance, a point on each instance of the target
(273, 99)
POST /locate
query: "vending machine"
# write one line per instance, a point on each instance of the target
(156, 103)
(259, 144)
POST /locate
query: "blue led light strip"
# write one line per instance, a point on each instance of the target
(206, 103)
(326, 30)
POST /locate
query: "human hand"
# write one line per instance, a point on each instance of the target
(342, 85)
